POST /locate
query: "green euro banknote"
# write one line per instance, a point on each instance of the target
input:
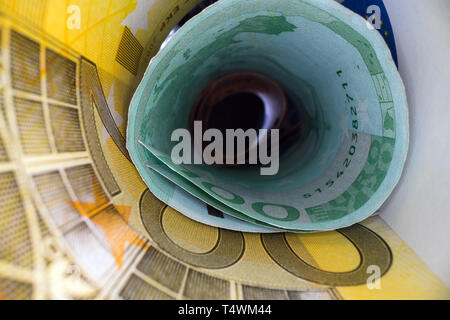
(177, 192)
(321, 53)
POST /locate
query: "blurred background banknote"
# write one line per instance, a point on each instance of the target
(76, 220)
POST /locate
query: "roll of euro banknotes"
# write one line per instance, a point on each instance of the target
(317, 85)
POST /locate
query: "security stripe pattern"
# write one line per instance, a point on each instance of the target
(129, 52)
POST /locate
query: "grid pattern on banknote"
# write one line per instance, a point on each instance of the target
(29, 11)
(115, 227)
(11, 289)
(50, 115)
(138, 289)
(254, 293)
(3, 154)
(66, 129)
(13, 224)
(87, 245)
(45, 114)
(87, 188)
(2, 105)
(203, 286)
(311, 295)
(90, 252)
(46, 105)
(55, 197)
(162, 269)
(61, 78)
(67, 189)
(31, 123)
(25, 63)
(43, 228)
(129, 52)
(90, 103)
(103, 244)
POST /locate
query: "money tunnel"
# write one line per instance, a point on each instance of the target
(340, 81)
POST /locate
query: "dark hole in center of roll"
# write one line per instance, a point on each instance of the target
(242, 110)
(248, 101)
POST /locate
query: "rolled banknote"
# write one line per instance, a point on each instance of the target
(326, 63)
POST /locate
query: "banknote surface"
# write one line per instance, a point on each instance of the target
(78, 222)
(351, 160)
